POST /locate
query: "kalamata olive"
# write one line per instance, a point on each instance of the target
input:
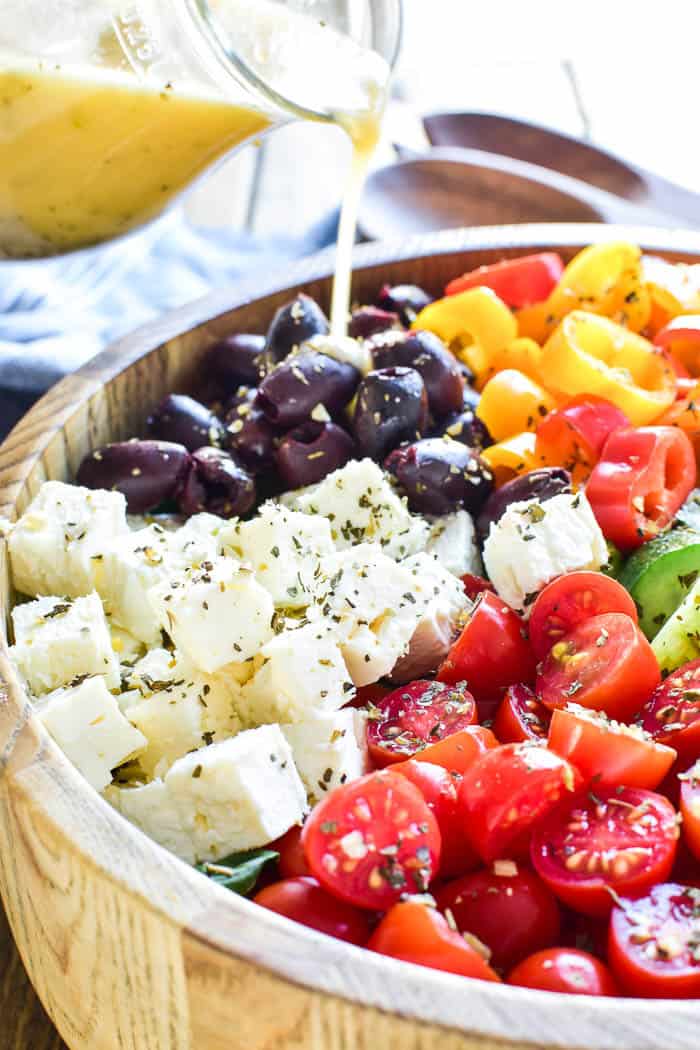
(310, 452)
(216, 482)
(427, 353)
(249, 433)
(291, 391)
(540, 484)
(464, 426)
(292, 325)
(187, 422)
(391, 407)
(236, 360)
(470, 396)
(147, 472)
(367, 321)
(439, 476)
(407, 300)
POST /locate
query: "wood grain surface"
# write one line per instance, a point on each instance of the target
(24, 1024)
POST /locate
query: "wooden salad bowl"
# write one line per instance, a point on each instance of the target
(128, 947)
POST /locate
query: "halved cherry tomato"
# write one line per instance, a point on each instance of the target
(564, 970)
(439, 789)
(653, 943)
(521, 716)
(681, 337)
(672, 715)
(518, 282)
(507, 907)
(609, 752)
(403, 723)
(506, 792)
(417, 933)
(292, 862)
(605, 663)
(573, 435)
(492, 651)
(640, 481)
(618, 839)
(690, 808)
(303, 900)
(459, 751)
(372, 840)
(570, 600)
(474, 585)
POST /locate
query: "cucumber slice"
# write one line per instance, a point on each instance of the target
(678, 641)
(660, 574)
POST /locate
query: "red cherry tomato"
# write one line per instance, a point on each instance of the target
(492, 651)
(439, 789)
(507, 907)
(573, 436)
(373, 840)
(564, 970)
(621, 839)
(672, 715)
(403, 723)
(642, 478)
(417, 933)
(570, 600)
(458, 752)
(292, 862)
(474, 585)
(609, 752)
(303, 900)
(521, 716)
(506, 792)
(518, 282)
(605, 663)
(690, 808)
(653, 943)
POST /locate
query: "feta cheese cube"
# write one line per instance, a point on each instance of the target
(329, 749)
(239, 794)
(125, 570)
(453, 542)
(195, 542)
(86, 723)
(152, 809)
(284, 549)
(126, 648)
(52, 544)
(535, 542)
(216, 614)
(297, 672)
(60, 639)
(439, 624)
(362, 507)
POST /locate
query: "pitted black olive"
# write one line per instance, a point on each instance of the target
(292, 325)
(540, 484)
(291, 391)
(236, 360)
(391, 407)
(310, 452)
(439, 476)
(248, 431)
(466, 427)
(367, 321)
(217, 483)
(147, 472)
(187, 422)
(407, 300)
(427, 353)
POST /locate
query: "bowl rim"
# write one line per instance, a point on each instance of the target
(236, 926)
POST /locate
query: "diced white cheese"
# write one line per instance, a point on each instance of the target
(284, 548)
(453, 542)
(342, 348)
(195, 542)
(152, 809)
(60, 639)
(329, 749)
(215, 614)
(362, 507)
(126, 568)
(535, 542)
(297, 672)
(239, 794)
(439, 625)
(52, 544)
(86, 723)
(126, 648)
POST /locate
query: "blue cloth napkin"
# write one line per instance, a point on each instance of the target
(56, 314)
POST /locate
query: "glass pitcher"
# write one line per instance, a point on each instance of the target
(109, 109)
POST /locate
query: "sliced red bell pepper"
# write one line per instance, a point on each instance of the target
(573, 436)
(680, 339)
(642, 478)
(518, 282)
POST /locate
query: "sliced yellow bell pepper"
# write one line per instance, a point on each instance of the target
(523, 354)
(509, 458)
(475, 324)
(604, 279)
(511, 403)
(588, 354)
